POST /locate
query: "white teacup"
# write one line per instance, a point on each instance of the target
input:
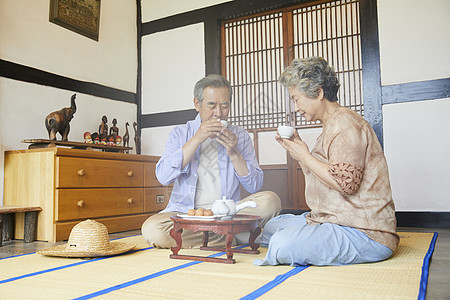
(285, 132)
(225, 123)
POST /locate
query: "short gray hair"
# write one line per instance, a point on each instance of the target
(310, 74)
(212, 80)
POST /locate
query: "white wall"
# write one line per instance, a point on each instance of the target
(28, 38)
(417, 146)
(159, 137)
(415, 46)
(414, 40)
(172, 62)
(18, 99)
(157, 9)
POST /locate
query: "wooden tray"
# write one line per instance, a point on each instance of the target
(43, 143)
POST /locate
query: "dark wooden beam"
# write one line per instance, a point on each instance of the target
(423, 219)
(28, 74)
(416, 91)
(225, 10)
(139, 70)
(370, 53)
(168, 118)
(212, 46)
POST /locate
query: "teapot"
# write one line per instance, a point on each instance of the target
(229, 208)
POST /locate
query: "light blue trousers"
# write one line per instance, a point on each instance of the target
(293, 242)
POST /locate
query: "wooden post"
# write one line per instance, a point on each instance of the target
(8, 226)
(29, 233)
(1, 230)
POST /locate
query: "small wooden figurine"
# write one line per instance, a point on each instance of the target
(126, 136)
(114, 130)
(137, 139)
(58, 121)
(103, 127)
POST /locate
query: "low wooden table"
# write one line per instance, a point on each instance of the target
(238, 224)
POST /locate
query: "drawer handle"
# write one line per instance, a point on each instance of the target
(130, 200)
(81, 172)
(130, 174)
(81, 203)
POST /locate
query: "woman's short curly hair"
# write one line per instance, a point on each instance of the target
(310, 74)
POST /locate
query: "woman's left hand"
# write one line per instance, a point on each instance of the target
(296, 147)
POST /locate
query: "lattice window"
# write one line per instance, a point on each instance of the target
(331, 30)
(255, 52)
(253, 62)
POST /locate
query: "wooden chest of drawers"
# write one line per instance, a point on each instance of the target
(120, 190)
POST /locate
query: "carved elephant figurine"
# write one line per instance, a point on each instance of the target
(58, 121)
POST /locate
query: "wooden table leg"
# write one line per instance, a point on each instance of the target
(253, 235)
(205, 238)
(228, 242)
(175, 233)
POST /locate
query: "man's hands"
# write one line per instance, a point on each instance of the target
(214, 129)
(229, 140)
(209, 129)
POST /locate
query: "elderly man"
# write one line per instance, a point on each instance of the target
(207, 160)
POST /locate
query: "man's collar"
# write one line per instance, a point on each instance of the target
(197, 122)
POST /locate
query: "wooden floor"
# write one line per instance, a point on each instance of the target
(439, 273)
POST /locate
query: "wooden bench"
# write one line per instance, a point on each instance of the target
(7, 222)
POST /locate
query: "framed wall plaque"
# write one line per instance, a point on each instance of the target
(81, 16)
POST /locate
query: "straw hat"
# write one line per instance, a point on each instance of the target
(88, 239)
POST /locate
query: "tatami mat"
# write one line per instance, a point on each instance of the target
(149, 273)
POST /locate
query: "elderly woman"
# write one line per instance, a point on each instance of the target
(352, 217)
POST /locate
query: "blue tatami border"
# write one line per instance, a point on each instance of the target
(425, 268)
